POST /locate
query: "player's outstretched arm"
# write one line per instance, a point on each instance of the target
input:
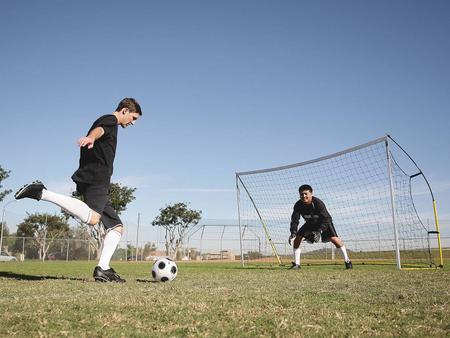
(90, 139)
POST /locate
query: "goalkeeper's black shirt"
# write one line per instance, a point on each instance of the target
(315, 213)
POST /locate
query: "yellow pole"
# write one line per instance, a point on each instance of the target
(441, 261)
(274, 249)
(270, 241)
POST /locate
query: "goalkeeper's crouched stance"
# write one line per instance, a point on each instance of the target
(318, 225)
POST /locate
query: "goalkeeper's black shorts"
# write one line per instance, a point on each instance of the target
(327, 233)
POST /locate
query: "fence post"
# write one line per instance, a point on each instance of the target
(67, 251)
(23, 248)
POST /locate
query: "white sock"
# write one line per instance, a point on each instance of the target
(110, 243)
(297, 255)
(73, 206)
(344, 253)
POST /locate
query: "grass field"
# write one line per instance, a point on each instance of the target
(222, 299)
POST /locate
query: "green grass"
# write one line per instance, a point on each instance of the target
(222, 299)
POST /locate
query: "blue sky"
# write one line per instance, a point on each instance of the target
(225, 86)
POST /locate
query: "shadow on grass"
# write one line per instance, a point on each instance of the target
(146, 281)
(308, 266)
(262, 267)
(18, 276)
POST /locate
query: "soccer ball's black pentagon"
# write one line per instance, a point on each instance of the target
(164, 279)
(161, 265)
(153, 274)
(170, 259)
(173, 270)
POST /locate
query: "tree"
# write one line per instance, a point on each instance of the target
(45, 229)
(4, 174)
(8, 240)
(176, 219)
(149, 248)
(120, 197)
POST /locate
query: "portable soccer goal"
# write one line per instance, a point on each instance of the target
(377, 195)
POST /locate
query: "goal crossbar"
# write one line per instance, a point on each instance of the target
(368, 144)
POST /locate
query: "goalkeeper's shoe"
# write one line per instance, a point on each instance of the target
(32, 190)
(295, 266)
(348, 265)
(109, 275)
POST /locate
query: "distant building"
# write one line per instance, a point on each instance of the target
(155, 255)
(222, 255)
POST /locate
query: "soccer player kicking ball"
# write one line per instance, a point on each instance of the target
(93, 179)
(318, 225)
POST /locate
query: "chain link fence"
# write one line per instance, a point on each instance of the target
(207, 241)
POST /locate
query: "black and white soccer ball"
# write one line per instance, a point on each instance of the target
(164, 270)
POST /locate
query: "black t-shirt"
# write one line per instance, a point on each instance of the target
(315, 213)
(96, 164)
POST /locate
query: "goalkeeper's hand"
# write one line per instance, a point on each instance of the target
(291, 239)
(313, 236)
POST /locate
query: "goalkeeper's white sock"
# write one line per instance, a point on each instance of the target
(297, 253)
(110, 243)
(344, 253)
(73, 206)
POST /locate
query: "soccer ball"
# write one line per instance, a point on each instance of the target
(164, 270)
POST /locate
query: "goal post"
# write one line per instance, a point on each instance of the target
(392, 193)
(368, 190)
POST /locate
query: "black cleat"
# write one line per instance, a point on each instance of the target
(348, 265)
(32, 190)
(109, 275)
(295, 266)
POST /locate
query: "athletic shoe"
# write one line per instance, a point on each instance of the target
(32, 190)
(348, 265)
(109, 275)
(295, 266)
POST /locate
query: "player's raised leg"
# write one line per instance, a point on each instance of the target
(37, 191)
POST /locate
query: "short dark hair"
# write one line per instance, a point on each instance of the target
(131, 104)
(305, 187)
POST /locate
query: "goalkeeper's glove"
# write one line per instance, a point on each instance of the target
(291, 239)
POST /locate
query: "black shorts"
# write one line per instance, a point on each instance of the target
(327, 233)
(97, 198)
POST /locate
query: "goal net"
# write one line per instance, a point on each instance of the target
(367, 190)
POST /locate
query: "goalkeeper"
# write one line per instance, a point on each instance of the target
(318, 225)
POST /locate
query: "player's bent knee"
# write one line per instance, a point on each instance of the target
(94, 218)
(297, 241)
(118, 228)
(336, 241)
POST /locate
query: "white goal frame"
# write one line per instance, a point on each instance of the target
(241, 188)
